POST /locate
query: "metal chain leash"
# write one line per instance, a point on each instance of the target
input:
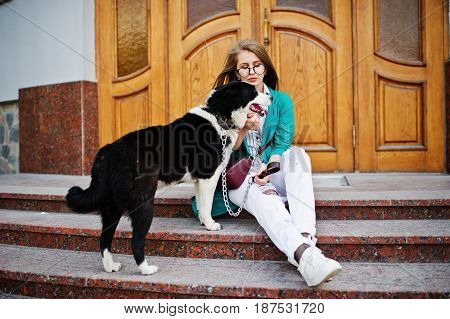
(223, 138)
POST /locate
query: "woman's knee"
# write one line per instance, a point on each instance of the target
(304, 159)
(296, 158)
(237, 195)
(269, 209)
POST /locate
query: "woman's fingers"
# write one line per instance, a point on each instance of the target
(252, 122)
(261, 181)
(262, 168)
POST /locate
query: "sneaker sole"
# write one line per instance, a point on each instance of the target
(327, 278)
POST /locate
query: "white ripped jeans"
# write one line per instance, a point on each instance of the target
(294, 183)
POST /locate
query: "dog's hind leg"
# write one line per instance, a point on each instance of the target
(110, 221)
(141, 220)
(204, 191)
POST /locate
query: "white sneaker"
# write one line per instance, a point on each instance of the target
(315, 267)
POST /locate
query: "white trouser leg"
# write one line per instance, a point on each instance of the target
(294, 180)
(273, 217)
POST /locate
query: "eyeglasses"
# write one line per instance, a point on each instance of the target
(258, 69)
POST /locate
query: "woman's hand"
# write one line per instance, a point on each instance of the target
(262, 181)
(252, 122)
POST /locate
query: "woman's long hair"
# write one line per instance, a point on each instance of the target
(229, 72)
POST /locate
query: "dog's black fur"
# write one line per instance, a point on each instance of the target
(125, 174)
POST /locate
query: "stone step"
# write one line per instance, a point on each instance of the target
(352, 240)
(338, 196)
(381, 209)
(52, 273)
(10, 296)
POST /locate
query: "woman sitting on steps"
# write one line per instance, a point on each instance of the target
(291, 227)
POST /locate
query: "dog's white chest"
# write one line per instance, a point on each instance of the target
(187, 178)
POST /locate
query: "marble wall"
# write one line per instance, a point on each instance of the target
(58, 128)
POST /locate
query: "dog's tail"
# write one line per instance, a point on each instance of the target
(94, 197)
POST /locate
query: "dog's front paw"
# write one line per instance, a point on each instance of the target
(108, 264)
(112, 266)
(213, 226)
(145, 269)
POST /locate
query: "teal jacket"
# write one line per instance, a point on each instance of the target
(279, 125)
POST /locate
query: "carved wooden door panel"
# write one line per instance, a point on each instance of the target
(311, 45)
(399, 64)
(130, 49)
(200, 34)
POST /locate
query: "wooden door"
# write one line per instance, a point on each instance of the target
(399, 63)
(200, 34)
(311, 45)
(131, 64)
(362, 73)
(303, 44)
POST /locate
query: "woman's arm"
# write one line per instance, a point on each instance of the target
(284, 133)
(242, 133)
(252, 123)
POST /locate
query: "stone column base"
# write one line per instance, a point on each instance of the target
(58, 128)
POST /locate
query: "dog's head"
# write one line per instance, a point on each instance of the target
(231, 102)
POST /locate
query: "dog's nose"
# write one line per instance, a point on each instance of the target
(271, 99)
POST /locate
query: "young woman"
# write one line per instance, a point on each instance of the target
(282, 203)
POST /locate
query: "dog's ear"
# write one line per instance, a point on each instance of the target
(226, 91)
(231, 84)
(230, 97)
(230, 93)
(219, 87)
(226, 99)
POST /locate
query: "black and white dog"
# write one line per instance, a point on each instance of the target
(126, 173)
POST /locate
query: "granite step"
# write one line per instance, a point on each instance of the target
(380, 209)
(52, 273)
(352, 240)
(338, 196)
(10, 296)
